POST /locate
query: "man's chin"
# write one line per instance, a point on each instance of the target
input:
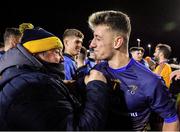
(75, 54)
(99, 58)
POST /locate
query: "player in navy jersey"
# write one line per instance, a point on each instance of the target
(135, 90)
(72, 39)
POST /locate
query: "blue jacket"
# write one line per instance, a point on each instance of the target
(32, 99)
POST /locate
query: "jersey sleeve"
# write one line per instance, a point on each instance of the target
(162, 103)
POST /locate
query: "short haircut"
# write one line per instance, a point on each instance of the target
(73, 32)
(132, 49)
(116, 20)
(11, 32)
(165, 49)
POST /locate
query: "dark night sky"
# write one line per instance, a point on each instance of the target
(153, 21)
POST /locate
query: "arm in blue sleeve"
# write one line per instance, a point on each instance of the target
(162, 102)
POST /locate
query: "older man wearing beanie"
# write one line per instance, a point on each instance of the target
(137, 54)
(33, 96)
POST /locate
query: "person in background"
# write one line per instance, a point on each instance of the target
(12, 36)
(137, 54)
(72, 39)
(161, 55)
(151, 63)
(33, 95)
(81, 57)
(91, 61)
(136, 92)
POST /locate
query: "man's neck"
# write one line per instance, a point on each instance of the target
(66, 52)
(119, 60)
(162, 60)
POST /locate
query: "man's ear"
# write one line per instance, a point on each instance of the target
(65, 41)
(14, 43)
(161, 54)
(15, 40)
(118, 42)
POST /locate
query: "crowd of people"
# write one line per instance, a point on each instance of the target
(52, 84)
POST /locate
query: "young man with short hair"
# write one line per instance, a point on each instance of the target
(72, 39)
(135, 91)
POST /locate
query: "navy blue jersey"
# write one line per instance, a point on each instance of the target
(69, 67)
(136, 91)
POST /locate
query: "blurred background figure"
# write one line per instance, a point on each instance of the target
(151, 63)
(81, 57)
(137, 54)
(91, 60)
(12, 36)
(161, 56)
(82, 68)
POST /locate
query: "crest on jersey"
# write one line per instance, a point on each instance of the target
(116, 83)
(132, 89)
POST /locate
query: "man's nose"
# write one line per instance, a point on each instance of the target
(61, 58)
(92, 44)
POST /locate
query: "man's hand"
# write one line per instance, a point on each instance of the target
(175, 74)
(71, 84)
(95, 75)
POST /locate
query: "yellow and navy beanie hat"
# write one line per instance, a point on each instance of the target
(38, 40)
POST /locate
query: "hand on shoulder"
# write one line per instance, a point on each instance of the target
(95, 75)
